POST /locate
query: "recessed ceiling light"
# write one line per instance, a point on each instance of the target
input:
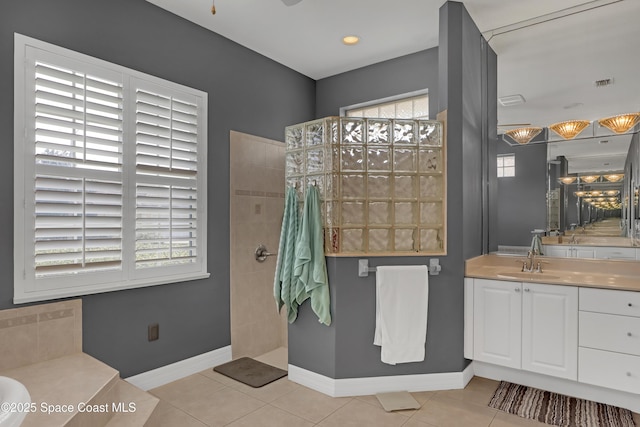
(350, 40)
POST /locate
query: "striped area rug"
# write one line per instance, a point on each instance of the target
(557, 409)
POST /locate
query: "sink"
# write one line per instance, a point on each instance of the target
(15, 401)
(526, 276)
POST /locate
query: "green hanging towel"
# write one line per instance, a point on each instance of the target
(283, 283)
(310, 267)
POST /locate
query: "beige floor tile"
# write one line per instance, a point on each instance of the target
(269, 416)
(447, 411)
(421, 397)
(357, 414)
(269, 392)
(186, 390)
(503, 419)
(222, 379)
(470, 396)
(222, 407)
(483, 384)
(417, 423)
(479, 391)
(166, 415)
(310, 404)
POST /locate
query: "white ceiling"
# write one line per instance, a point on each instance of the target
(553, 64)
(584, 156)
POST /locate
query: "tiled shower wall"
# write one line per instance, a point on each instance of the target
(256, 208)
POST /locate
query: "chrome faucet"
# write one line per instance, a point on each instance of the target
(528, 265)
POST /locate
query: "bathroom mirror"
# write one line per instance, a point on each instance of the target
(572, 211)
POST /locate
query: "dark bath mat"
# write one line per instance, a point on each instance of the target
(250, 372)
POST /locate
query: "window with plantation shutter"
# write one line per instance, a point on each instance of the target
(110, 176)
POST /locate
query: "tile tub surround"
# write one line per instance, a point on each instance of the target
(41, 346)
(40, 332)
(597, 273)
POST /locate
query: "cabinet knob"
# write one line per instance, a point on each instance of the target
(517, 289)
(629, 334)
(630, 305)
(628, 374)
(526, 289)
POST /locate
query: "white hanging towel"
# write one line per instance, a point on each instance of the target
(402, 299)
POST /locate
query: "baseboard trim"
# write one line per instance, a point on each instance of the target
(558, 385)
(175, 371)
(345, 387)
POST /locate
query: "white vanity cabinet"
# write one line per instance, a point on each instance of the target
(611, 252)
(527, 326)
(609, 341)
(564, 251)
(581, 251)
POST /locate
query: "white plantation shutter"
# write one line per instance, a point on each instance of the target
(78, 131)
(110, 185)
(166, 178)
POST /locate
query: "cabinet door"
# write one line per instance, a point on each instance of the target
(550, 330)
(497, 316)
(557, 251)
(584, 252)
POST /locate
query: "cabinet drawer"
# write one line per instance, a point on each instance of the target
(626, 303)
(615, 253)
(608, 369)
(609, 332)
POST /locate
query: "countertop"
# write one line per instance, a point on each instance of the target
(594, 273)
(586, 240)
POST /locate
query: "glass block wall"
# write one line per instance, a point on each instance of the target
(382, 182)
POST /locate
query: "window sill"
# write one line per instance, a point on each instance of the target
(21, 297)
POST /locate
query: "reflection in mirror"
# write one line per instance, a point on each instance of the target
(585, 185)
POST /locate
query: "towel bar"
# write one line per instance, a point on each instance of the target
(364, 269)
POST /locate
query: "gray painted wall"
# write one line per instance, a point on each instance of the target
(405, 74)
(247, 92)
(522, 199)
(345, 349)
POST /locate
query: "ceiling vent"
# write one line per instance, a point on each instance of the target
(511, 100)
(603, 82)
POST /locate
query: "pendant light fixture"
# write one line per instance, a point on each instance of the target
(589, 179)
(213, 7)
(614, 177)
(523, 135)
(569, 129)
(568, 179)
(620, 123)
